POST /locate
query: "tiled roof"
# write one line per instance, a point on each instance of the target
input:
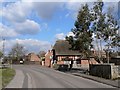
(62, 47)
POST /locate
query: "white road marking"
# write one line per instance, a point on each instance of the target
(31, 83)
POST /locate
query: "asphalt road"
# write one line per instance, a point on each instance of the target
(32, 76)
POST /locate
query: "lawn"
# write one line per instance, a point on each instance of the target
(6, 75)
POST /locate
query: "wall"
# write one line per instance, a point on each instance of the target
(108, 71)
(85, 64)
(114, 71)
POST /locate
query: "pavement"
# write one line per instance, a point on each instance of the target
(19, 77)
(32, 76)
(114, 83)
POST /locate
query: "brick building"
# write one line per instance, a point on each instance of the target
(33, 57)
(48, 58)
(62, 54)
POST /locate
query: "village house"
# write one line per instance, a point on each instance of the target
(62, 54)
(32, 58)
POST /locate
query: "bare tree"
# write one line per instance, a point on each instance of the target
(17, 51)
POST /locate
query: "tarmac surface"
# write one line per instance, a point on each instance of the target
(35, 76)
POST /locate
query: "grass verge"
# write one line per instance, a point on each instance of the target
(7, 75)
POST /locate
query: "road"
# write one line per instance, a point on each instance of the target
(34, 76)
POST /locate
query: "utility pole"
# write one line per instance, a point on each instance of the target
(3, 39)
(3, 47)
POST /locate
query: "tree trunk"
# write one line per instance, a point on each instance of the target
(101, 51)
(98, 50)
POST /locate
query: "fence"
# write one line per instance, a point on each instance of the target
(108, 71)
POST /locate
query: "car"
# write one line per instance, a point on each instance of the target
(63, 67)
(21, 62)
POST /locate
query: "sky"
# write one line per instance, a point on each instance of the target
(37, 24)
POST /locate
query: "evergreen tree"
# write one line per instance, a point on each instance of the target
(89, 22)
(82, 33)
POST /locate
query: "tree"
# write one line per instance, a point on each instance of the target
(42, 53)
(94, 21)
(82, 32)
(98, 25)
(110, 33)
(1, 54)
(17, 51)
(105, 28)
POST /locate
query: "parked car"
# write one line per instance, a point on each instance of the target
(63, 67)
(21, 62)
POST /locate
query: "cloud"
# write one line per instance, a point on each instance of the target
(31, 45)
(73, 6)
(70, 34)
(6, 31)
(34, 45)
(27, 27)
(60, 36)
(16, 15)
(21, 9)
(46, 10)
(17, 12)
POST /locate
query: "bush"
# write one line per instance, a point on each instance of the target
(56, 66)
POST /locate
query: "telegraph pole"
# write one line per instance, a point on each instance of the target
(3, 46)
(3, 39)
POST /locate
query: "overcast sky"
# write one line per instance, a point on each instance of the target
(37, 25)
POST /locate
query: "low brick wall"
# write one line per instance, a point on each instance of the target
(108, 71)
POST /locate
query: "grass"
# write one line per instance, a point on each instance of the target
(6, 75)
